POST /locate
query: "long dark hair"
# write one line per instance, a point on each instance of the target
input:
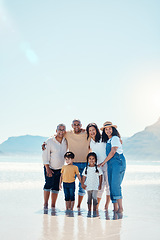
(105, 137)
(93, 154)
(98, 135)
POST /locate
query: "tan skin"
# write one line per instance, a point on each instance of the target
(91, 161)
(69, 204)
(117, 206)
(92, 134)
(60, 132)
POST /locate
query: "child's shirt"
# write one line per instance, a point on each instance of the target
(92, 178)
(69, 172)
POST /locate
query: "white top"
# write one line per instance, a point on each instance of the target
(100, 149)
(115, 142)
(54, 153)
(92, 178)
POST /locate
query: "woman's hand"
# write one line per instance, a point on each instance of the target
(83, 186)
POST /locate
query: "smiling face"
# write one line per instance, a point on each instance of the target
(91, 161)
(92, 132)
(61, 131)
(69, 161)
(108, 131)
(76, 126)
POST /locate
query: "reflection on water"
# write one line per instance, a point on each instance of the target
(81, 225)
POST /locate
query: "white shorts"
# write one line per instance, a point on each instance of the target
(105, 184)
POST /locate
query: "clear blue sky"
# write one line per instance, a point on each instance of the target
(95, 60)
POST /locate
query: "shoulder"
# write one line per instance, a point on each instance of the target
(115, 141)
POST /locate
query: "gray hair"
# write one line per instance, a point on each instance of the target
(76, 120)
(61, 125)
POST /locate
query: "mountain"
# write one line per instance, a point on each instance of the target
(22, 144)
(145, 144)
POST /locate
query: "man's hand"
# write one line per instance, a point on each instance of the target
(49, 172)
(60, 186)
(44, 146)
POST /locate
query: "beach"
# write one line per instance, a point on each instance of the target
(22, 215)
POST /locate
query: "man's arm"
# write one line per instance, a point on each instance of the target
(60, 182)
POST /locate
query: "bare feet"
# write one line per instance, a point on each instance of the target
(120, 210)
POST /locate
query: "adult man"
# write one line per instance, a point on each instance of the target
(79, 145)
(53, 160)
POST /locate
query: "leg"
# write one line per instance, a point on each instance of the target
(120, 207)
(89, 202)
(80, 198)
(46, 198)
(72, 205)
(94, 197)
(72, 194)
(53, 199)
(107, 202)
(81, 191)
(115, 206)
(67, 205)
(98, 200)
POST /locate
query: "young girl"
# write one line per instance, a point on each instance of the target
(116, 163)
(92, 180)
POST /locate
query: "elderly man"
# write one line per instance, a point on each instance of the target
(79, 145)
(53, 160)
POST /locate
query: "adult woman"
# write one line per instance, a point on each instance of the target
(99, 147)
(116, 163)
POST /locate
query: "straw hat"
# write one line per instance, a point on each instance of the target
(108, 124)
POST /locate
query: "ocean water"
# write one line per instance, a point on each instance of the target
(21, 208)
(26, 172)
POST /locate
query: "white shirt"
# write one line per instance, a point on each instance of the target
(92, 178)
(115, 142)
(54, 153)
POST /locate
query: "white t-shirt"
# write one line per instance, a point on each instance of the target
(115, 142)
(92, 178)
(100, 149)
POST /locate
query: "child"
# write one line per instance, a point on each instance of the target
(68, 177)
(92, 176)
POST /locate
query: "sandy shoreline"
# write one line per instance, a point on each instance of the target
(22, 217)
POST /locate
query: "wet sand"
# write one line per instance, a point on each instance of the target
(22, 217)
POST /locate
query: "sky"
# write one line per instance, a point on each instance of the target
(95, 60)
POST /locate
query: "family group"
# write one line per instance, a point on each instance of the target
(95, 158)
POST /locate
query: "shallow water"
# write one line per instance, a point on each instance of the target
(21, 197)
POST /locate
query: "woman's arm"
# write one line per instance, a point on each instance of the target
(110, 155)
(82, 182)
(100, 182)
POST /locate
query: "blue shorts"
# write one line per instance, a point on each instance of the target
(69, 191)
(52, 183)
(81, 166)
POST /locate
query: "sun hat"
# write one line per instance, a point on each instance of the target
(108, 124)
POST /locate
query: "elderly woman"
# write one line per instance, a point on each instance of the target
(116, 163)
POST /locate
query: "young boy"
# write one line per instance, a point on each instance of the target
(68, 173)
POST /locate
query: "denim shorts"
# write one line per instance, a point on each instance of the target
(69, 191)
(52, 183)
(81, 166)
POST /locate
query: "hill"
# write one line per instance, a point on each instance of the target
(22, 144)
(144, 144)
